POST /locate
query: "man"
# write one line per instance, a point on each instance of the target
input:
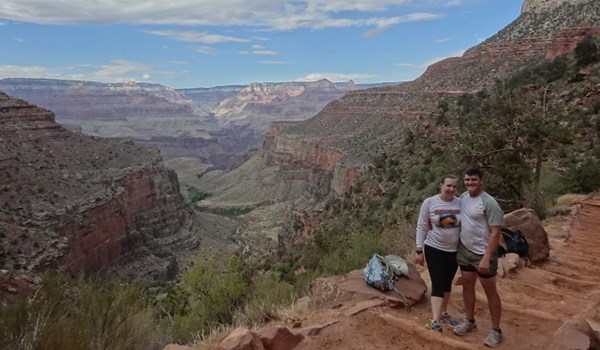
(476, 254)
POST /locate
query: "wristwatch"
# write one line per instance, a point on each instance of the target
(419, 251)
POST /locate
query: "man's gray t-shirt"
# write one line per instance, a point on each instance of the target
(477, 214)
(438, 225)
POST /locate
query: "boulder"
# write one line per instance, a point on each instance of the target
(335, 290)
(529, 224)
(241, 339)
(279, 338)
(177, 347)
(576, 333)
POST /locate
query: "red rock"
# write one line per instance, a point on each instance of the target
(576, 333)
(279, 338)
(241, 339)
(338, 289)
(527, 221)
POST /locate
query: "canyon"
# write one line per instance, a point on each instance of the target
(91, 210)
(326, 154)
(214, 136)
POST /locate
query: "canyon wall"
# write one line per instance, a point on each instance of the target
(365, 123)
(76, 203)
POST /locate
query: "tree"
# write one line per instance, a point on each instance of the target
(511, 131)
(587, 51)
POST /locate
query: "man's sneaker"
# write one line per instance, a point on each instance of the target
(434, 326)
(465, 327)
(449, 320)
(493, 339)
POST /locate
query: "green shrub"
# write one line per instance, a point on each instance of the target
(195, 195)
(80, 314)
(587, 51)
(585, 177)
(215, 289)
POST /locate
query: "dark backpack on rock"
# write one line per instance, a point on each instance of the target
(515, 243)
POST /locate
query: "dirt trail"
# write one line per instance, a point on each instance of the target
(537, 300)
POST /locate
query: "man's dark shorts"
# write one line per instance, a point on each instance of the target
(469, 261)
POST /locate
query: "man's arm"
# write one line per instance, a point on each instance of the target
(484, 265)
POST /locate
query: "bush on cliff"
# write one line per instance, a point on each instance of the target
(79, 314)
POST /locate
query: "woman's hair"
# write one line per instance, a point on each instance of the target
(448, 176)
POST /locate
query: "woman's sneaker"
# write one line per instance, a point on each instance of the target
(434, 326)
(493, 339)
(465, 327)
(449, 320)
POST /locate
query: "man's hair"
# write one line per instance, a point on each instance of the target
(448, 176)
(474, 172)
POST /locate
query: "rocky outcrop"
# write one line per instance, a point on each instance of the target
(546, 5)
(259, 104)
(530, 225)
(364, 123)
(334, 290)
(76, 203)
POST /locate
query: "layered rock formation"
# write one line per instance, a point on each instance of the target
(221, 126)
(366, 122)
(259, 104)
(77, 203)
(342, 140)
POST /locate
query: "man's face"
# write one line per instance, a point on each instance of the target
(473, 184)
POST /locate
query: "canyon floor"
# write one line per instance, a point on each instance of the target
(537, 300)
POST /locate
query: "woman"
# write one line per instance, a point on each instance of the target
(438, 231)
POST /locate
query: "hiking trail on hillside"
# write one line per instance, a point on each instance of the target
(536, 300)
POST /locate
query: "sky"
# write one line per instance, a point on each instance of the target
(206, 43)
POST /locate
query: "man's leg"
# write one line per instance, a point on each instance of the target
(468, 283)
(493, 299)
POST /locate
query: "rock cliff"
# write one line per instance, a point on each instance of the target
(364, 123)
(340, 142)
(78, 203)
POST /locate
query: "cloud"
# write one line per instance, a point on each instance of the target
(258, 52)
(113, 72)
(260, 14)
(335, 77)
(442, 40)
(258, 47)
(274, 62)
(196, 37)
(207, 50)
(382, 24)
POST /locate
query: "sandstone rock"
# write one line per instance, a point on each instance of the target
(177, 347)
(337, 289)
(576, 333)
(316, 329)
(545, 5)
(279, 338)
(241, 339)
(364, 305)
(530, 225)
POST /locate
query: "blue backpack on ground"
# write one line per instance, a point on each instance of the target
(379, 274)
(382, 273)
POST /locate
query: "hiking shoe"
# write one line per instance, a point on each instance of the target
(465, 327)
(493, 339)
(434, 326)
(449, 320)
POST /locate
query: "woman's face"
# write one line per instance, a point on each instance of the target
(448, 187)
